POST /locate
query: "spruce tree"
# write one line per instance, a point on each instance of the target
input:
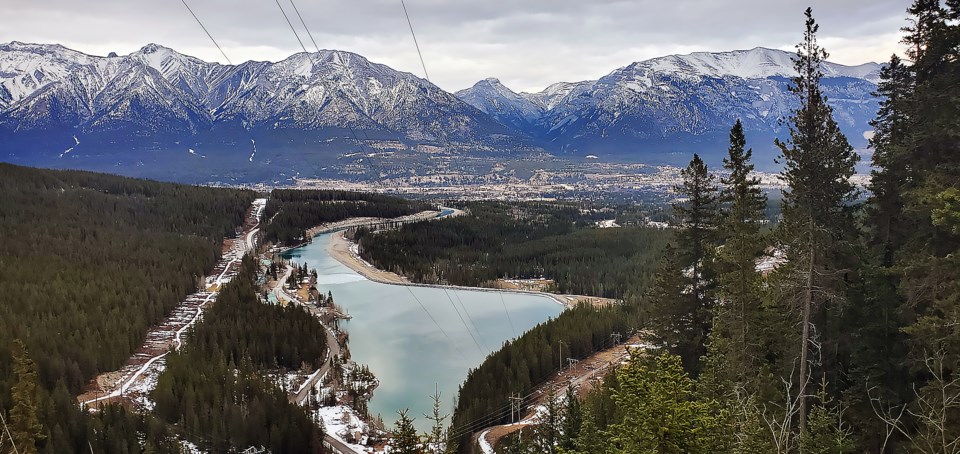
(591, 439)
(892, 167)
(660, 412)
(680, 305)
(929, 259)
(24, 423)
(572, 421)
(737, 324)
(818, 163)
(405, 439)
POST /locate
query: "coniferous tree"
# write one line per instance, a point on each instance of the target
(436, 441)
(24, 425)
(891, 172)
(405, 439)
(591, 439)
(549, 427)
(681, 304)
(572, 421)
(737, 335)
(818, 163)
(660, 412)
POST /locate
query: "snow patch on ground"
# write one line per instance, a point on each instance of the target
(484, 444)
(341, 422)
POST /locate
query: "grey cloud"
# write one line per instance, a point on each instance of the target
(526, 43)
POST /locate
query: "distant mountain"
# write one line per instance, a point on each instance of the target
(157, 95)
(159, 113)
(507, 107)
(678, 103)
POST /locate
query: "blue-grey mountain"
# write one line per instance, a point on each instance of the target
(678, 103)
(159, 113)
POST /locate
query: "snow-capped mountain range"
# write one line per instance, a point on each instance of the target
(156, 92)
(53, 98)
(677, 102)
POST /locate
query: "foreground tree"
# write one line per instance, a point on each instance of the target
(661, 412)
(680, 305)
(737, 337)
(405, 439)
(818, 163)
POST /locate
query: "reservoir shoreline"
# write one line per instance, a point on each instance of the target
(339, 248)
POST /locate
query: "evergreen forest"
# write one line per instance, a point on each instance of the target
(849, 342)
(520, 240)
(291, 212)
(89, 262)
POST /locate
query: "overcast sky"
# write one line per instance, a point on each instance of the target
(527, 44)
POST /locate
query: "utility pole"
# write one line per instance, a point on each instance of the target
(560, 345)
(515, 401)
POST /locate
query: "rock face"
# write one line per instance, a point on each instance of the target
(677, 102)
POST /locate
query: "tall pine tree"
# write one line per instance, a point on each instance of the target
(680, 305)
(818, 163)
(737, 324)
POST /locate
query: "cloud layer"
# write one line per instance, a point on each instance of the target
(528, 44)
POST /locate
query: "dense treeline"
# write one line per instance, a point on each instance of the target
(290, 212)
(852, 343)
(519, 240)
(529, 360)
(270, 336)
(215, 389)
(88, 262)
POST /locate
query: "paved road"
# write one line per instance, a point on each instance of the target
(333, 349)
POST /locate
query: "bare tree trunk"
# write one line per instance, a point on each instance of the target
(805, 339)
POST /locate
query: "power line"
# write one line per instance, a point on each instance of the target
(479, 334)
(500, 412)
(207, 32)
(7, 429)
(291, 27)
(449, 339)
(410, 24)
(508, 313)
(305, 25)
(464, 322)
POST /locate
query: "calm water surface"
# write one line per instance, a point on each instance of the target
(393, 335)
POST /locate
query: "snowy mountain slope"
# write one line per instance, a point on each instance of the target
(498, 101)
(157, 94)
(683, 101)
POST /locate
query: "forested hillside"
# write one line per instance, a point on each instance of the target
(89, 262)
(852, 342)
(520, 240)
(521, 365)
(215, 388)
(291, 212)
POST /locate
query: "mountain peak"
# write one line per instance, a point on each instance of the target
(756, 63)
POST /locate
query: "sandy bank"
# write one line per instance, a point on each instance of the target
(339, 248)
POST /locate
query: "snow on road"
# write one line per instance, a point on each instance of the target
(484, 444)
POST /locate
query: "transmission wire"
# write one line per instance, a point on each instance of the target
(415, 43)
(207, 32)
(291, 27)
